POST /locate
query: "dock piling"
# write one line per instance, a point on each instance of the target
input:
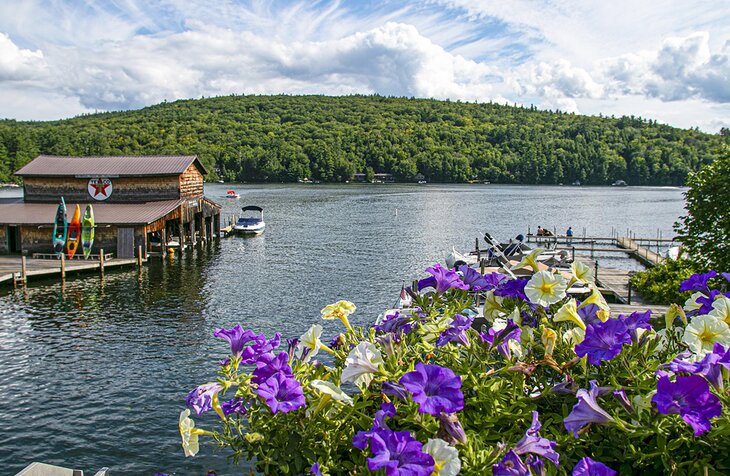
(23, 270)
(595, 272)
(139, 257)
(63, 266)
(101, 262)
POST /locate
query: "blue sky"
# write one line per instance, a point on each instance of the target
(661, 59)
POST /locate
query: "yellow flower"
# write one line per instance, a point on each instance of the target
(339, 310)
(691, 304)
(188, 434)
(581, 272)
(721, 308)
(597, 298)
(703, 332)
(574, 336)
(310, 339)
(672, 313)
(548, 340)
(545, 288)
(569, 312)
(530, 260)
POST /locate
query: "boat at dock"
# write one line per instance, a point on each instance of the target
(251, 225)
(232, 194)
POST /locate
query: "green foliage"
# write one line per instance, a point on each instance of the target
(660, 284)
(285, 138)
(705, 230)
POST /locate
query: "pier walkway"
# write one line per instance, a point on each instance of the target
(11, 268)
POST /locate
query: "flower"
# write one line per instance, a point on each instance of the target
(238, 338)
(726, 276)
(397, 390)
(494, 279)
(706, 302)
(442, 279)
(473, 278)
(587, 410)
(501, 337)
(582, 272)
(397, 452)
(395, 323)
(331, 390)
(548, 338)
(530, 260)
(361, 438)
(510, 465)
(589, 467)
(492, 305)
(201, 399)
(697, 282)
(311, 340)
(339, 310)
(691, 304)
(621, 397)
(721, 309)
(234, 405)
(545, 288)
(436, 389)
(597, 298)
(281, 393)
(315, 469)
(268, 365)
(603, 341)
(450, 428)
(690, 397)
(569, 312)
(512, 288)
(534, 444)
(457, 331)
(703, 332)
(188, 434)
(235, 336)
(445, 457)
(590, 314)
(361, 363)
(574, 336)
(709, 367)
(673, 312)
(635, 321)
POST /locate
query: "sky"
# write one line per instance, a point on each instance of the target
(659, 59)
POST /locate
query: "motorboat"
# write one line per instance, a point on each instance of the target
(619, 183)
(250, 225)
(232, 194)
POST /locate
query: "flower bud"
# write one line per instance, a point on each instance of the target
(450, 429)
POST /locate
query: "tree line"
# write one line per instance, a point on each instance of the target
(288, 138)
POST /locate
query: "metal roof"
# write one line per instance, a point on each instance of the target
(15, 211)
(119, 166)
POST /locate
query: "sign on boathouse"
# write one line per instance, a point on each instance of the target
(100, 188)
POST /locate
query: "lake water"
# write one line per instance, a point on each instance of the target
(94, 373)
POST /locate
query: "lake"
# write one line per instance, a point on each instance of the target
(94, 373)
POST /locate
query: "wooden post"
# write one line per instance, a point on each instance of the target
(23, 271)
(63, 266)
(573, 253)
(139, 256)
(163, 241)
(101, 261)
(629, 298)
(595, 273)
(182, 230)
(483, 264)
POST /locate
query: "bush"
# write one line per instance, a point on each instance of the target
(542, 384)
(660, 284)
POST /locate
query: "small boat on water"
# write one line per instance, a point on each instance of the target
(619, 183)
(232, 194)
(74, 233)
(250, 225)
(60, 229)
(87, 231)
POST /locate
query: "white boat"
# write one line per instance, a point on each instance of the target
(232, 194)
(250, 225)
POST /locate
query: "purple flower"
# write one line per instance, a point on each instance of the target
(513, 288)
(705, 303)
(361, 438)
(235, 336)
(315, 470)
(442, 279)
(337, 341)
(710, 367)
(260, 346)
(436, 389)
(620, 395)
(533, 443)
(238, 338)
(587, 410)
(726, 276)
(589, 314)
(636, 320)
(603, 341)
(473, 278)
(450, 429)
(281, 393)
(510, 465)
(456, 332)
(398, 453)
(589, 467)
(394, 389)
(691, 398)
(201, 399)
(235, 405)
(269, 364)
(500, 339)
(494, 280)
(697, 282)
(568, 387)
(395, 323)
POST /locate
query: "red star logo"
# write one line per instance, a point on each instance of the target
(100, 188)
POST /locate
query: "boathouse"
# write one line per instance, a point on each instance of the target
(147, 201)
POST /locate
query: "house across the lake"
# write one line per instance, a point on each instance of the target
(137, 201)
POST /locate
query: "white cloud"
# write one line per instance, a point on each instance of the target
(19, 64)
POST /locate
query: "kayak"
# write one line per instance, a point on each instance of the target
(87, 231)
(74, 233)
(60, 228)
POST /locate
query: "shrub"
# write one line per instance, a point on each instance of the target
(660, 284)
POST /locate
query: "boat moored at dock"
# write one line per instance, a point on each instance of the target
(250, 225)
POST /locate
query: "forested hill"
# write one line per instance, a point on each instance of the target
(285, 138)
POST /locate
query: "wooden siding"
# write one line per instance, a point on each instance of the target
(191, 182)
(38, 240)
(125, 189)
(3, 239)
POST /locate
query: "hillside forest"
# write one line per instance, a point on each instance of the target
(289, 138)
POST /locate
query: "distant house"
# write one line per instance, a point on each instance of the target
(135, 199)
(377, 178)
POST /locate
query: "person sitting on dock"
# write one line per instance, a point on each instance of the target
(546, 232)
(540, 231)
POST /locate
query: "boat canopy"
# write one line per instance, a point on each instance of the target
(252, 207)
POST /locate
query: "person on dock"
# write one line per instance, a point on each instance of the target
(540, 230)
(569, 234)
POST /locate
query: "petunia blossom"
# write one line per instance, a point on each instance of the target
(569, 312)
(721, 309)
(689, 396)
(703, 331)
(270, 364)
(473, 278)
(234, 405)
(311, 340)
(339, 310)
(442, 279)
(200, 399)
(331, 390)
(530, 260)
(603, 341)
(281, 393)
(436, 389)
(587, 410)
(581, 272)
(235, 336)
(456, 331)
(533, 443)
(697, 282)
(445, 457)
(545, 288)
(363, 361)
(635, 321)
(398, 453)
(501, 337)
(589, 467)
(510, 465)
(512, 289)
(188, 434)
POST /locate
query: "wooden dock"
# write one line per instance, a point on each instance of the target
(637, 248)
(11, 267)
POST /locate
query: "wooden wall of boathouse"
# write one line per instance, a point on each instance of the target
(4, 240)
(191, 182)
(124, 189)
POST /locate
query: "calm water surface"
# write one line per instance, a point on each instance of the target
(94, 373)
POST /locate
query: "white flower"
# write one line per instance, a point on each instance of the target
(189, 437)
(569, 312)
(545, 288)
(574, 336)
(432, 329)
(691, 304)
(328, 388)
(445, 457)
(311, 340)
(492, 306)
(597, 298)
(703, 332)
(530, 260)
(721, 309)
(360, 365)
(582, 272)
